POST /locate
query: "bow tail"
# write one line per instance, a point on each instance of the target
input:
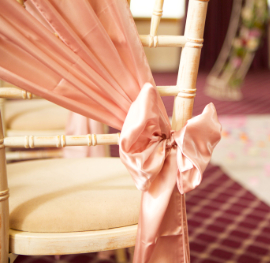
(162, 231)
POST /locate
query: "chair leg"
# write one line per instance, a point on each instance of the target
(2, 109)
(4, 194)
(11, 257)
(105, 254)
(121, 255)
(131, 253)
(57, 257)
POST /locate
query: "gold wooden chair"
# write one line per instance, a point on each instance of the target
(58, 206)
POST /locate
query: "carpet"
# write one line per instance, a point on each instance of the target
(227, 223)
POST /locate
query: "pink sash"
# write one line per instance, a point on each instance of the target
(164, 165)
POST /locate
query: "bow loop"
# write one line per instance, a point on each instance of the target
(142, 135)
(196, 142)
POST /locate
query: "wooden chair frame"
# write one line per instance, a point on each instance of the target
(26, 243)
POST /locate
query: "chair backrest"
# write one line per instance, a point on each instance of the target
(184, 93)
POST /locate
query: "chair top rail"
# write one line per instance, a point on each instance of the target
(59, 141)
(17, 93)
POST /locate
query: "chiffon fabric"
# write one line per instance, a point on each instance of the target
(87, 57)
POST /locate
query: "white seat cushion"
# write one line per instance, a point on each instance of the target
(34, 115)
(66, 195)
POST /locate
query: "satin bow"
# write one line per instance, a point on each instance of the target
(164, 165)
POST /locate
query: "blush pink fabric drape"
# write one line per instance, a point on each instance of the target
(97, 67)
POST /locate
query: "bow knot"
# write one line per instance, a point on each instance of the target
(170, 142)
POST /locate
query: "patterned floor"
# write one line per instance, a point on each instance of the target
(227, 223)
(83, 258)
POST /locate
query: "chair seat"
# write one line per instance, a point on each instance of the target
(35, 115)
(71, 195)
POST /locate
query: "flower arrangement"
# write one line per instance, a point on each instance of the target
(253, 17)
